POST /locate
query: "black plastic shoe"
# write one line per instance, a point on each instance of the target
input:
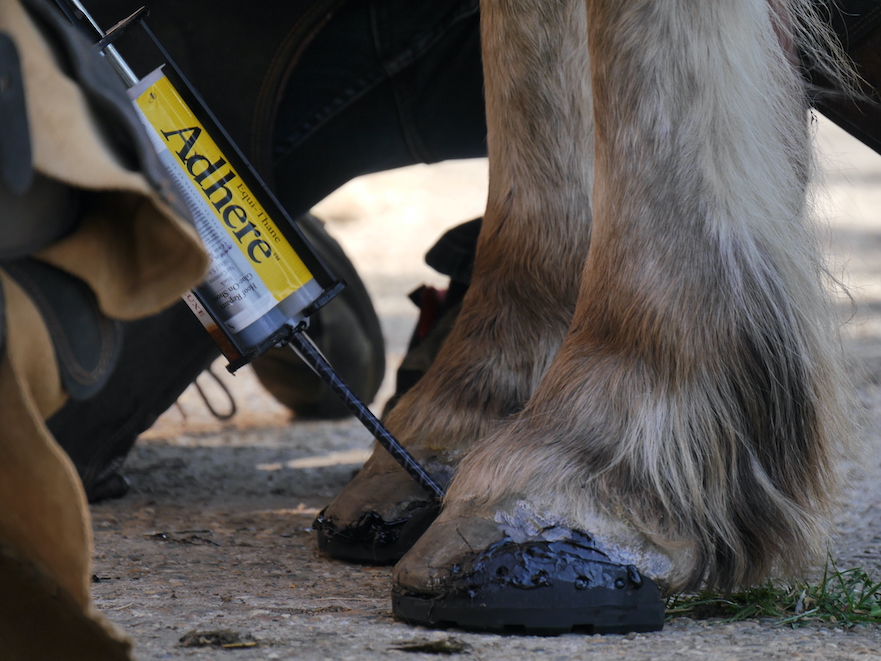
(541, 588)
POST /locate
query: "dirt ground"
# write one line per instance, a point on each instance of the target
(215, 533)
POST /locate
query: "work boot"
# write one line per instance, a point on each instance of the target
(453, 256)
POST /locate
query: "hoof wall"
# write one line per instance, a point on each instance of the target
(371, 540)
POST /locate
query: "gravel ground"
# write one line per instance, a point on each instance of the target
(215, 534)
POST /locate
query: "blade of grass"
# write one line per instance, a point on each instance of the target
(841, 598)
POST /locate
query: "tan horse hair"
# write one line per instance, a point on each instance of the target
(697, 403)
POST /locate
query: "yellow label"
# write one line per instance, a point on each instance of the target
(229, 198)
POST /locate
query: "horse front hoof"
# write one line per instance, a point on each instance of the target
(540, 587)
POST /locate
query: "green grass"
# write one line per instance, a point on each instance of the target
(841, 598)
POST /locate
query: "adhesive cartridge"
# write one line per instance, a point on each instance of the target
(257, 283)
(264, 278)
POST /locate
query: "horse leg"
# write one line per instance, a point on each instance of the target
(689, 422)
(530, 254)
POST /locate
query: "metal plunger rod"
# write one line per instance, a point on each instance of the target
(303, 346)
(109, 51)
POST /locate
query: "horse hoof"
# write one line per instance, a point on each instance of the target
(372, 540)
(535, 587)
(378, 517)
